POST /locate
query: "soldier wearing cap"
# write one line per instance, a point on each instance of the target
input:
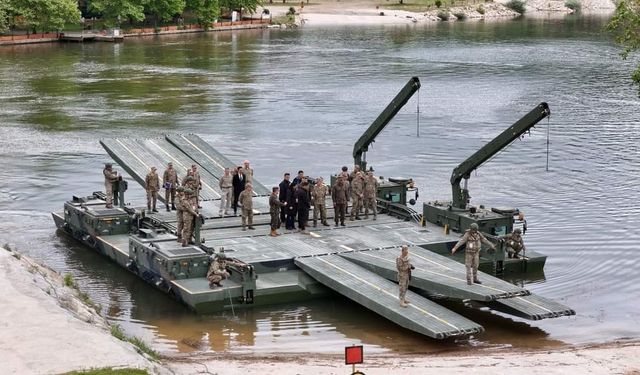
(340, 199)
(319, 194)
(274, 210)
(514, 243)
(246, 200)
(370, 191)
(357, 195)
(152, 185)
(181, 201)
(218, 270)
(226, 195)
(473, 240)
(247, 171)
(170, 182)
(404, 267)
(110, 177)
(197, 184)
(189, 213)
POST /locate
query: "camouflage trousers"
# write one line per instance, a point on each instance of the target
(187, 228)
(403, 283)
(180, 217)
(217, 276)
(370, 204)
(471, 261)
(152, 198)
(169, 193)
(355, 205)
(275, 220)
(247, 217)
(319, 209)
(108, 187)
(340, 210)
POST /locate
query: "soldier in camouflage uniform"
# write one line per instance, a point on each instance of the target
(473, 240)
(357, 194)
(246, 200)
(218, 270)
(404, 267)
(274, 210)
(152, 185)
(182, 200)
(370, 192)
(226, 189)
(198, 183)
(340, 199)
(170, 183)
(189, 213)
(248, 171)
(514, 243)
(110, 177)
(319, 194)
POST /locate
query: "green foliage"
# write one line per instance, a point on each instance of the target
(443, 15)
(165, 9)
(109, 371)
(516, 6)
(43, 14)
(207, 11)
(480, 9)
(4, 24)
(438, 3)
(460, 15)
(68, 280)
(115, 11)
(625, 28)
(247, 6)
(575, 5)
(117, 332)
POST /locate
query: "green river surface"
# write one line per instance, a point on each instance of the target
(299, 99)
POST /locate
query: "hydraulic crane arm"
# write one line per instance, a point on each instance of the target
(461, 195)
(369, 136)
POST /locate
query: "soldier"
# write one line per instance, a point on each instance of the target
(189, 214)
(319, 194)
(274, 210)
(198, 183)
(152, 185)
(357, 194)
(218, 270)
(248, 172)
(110, 177)
(370, 191)
(226, 188)
(514, 243)
(182, 201)
(246, 200)
(170, 183)
(473, 239)
(340, 200)
(404, 268)
(284, 188)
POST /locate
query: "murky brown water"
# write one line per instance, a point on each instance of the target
(299, 99)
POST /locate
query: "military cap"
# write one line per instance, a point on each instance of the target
(473, 226)
(517, 231)
(180, 188)
(221, 256)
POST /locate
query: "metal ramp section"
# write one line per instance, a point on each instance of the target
(208, 157)
(436, 274)
(381, 296)
(532, 307)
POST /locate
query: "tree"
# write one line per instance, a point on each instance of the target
(113, 11)
(625, 26)
(4, 16)
(46, 14)
(207, 11)
(165, 9)
(247, 5)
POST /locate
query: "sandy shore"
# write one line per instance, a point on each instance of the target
(47, 329)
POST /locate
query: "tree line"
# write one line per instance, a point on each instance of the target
(54, 15)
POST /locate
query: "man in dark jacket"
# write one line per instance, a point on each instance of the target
(239, 181)
(304, 204)
(282, 196)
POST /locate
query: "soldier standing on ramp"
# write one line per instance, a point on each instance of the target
(110, 177)
(340, 199)
(274, 210)
(370, 191)
(182, 200)
(226, 188)
(357, 193)
(473, 239)
(198, 183)
(170, 183)
(404, 267)
(246, 200)
(189, 214)
(319, 194)
(152, 185)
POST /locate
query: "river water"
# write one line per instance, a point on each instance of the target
(292, 99)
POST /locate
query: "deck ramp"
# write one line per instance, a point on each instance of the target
(208, 157)
(381, 296)
(532, 307)
(436, 274)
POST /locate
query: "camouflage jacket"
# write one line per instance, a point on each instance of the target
(514, 241)
(370, 187)
(170, 176)
(152, 182)
(319, 194)
(403, 265)
(357, 186)
(275, 204)
(109, 176)
(473, 241)
(246, 199)
(339, 194)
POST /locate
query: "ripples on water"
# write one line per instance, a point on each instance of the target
(299, 99)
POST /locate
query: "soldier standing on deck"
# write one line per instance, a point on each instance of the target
(274, 210)
(152, 185)
(319, 194)
(404, 268)
(357, 194)
(247, 171)
(370, 191)
(189, 213)
(198, 183)
(226, 188)
(182, 200)
(473, 239)
(246, 200)
(340, 199)
(170, 183)
(110, 177)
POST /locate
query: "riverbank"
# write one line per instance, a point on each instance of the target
(48, 328)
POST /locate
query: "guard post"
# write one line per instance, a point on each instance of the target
(354, 355)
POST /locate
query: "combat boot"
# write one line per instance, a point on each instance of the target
(173, 206)
(273, 233)
(476, 281)
(168, 209)
(403, 304)
(325, 223)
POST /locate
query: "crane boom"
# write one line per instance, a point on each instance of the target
(369, 136)
(464, 169)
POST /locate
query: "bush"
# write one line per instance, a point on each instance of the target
(459, 15)
(516, 6)
(480, 9)
(573, 5)
(291, 12)
(68, 280)
(443, 15)
(438, 3)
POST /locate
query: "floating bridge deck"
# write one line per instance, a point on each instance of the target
(357, 261)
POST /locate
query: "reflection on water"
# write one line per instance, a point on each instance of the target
(291, 99)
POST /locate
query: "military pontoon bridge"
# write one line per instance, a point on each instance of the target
(356, 261)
